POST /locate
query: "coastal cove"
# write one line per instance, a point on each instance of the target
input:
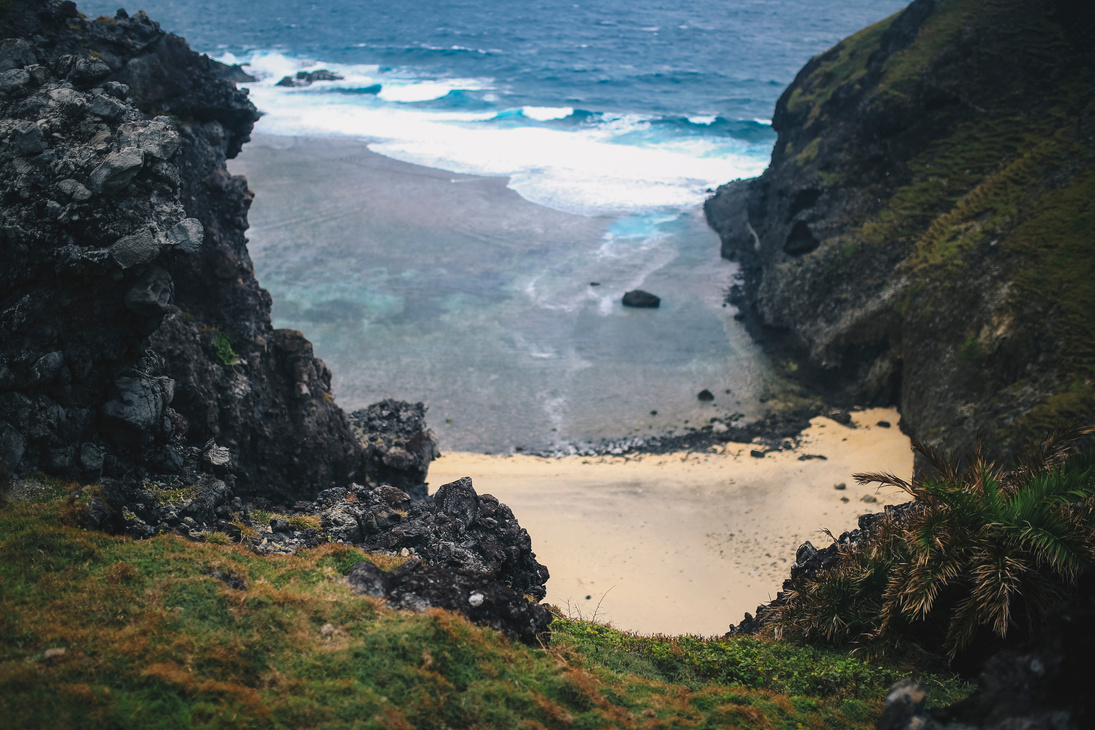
(687, 543)
(416, 366)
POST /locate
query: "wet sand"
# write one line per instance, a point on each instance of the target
(686, 543)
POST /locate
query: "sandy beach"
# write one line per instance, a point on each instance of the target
(686, 543)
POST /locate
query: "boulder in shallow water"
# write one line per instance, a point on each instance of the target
(307, 78)
(642, 299)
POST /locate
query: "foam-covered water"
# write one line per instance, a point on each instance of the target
(607, 106)
(616, 116)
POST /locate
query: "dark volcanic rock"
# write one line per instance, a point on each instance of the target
(640, 298)
(236, 74)
(416, 586)
(468, 553)
(888, 281)
(457, 528)
(398, 445)
(307, 78)
(131, 319)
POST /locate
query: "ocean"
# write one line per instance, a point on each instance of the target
(579, 140)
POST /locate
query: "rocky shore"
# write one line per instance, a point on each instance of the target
(136, 346)
(915, 240)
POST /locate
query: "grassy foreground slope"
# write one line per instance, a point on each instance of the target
(101, 631)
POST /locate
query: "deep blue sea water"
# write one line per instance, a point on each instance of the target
(614, 117)
(547, 92)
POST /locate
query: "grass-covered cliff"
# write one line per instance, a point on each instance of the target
(924, 233)
(101, 631)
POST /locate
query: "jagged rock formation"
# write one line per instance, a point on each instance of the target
(478, 559)
(136, 348)
(923, 234)
(134, 330)
(399, 446)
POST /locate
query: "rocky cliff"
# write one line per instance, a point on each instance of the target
(923, 234)
(137, 355)
(135, 335)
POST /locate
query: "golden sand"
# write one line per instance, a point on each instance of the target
(688, 542)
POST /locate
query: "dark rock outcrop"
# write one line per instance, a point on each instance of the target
(398, 445)
(921, 237)
(468, 552)
(461, 529)
(307, 78)
(133, 327)
(641, 299)
(416, 586)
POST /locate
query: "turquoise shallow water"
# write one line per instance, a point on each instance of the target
(502, 315)
(582, 136)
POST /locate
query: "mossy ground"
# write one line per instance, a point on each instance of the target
(154, 636)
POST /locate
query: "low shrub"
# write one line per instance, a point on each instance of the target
(973, 562)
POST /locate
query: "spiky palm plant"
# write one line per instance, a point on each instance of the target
(980, 549)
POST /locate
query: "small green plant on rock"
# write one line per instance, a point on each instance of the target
(225, 354)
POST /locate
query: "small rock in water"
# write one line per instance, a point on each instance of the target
(756, 454)
(883, 424)
(869, 498)
(705, 395)
(842, 485)
(640, 298)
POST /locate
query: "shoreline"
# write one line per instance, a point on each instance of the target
(686, 543)
(504, 316)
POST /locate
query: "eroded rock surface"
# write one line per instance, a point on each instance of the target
(133, 327)
(914, 240)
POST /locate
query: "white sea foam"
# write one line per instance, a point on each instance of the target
(546, 113)
(621, 164)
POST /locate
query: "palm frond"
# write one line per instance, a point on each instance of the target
(1053, 449)
(885, 479)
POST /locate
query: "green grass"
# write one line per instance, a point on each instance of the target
(152, 637)
(845, 63)
(222, 344)
(905, 67)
